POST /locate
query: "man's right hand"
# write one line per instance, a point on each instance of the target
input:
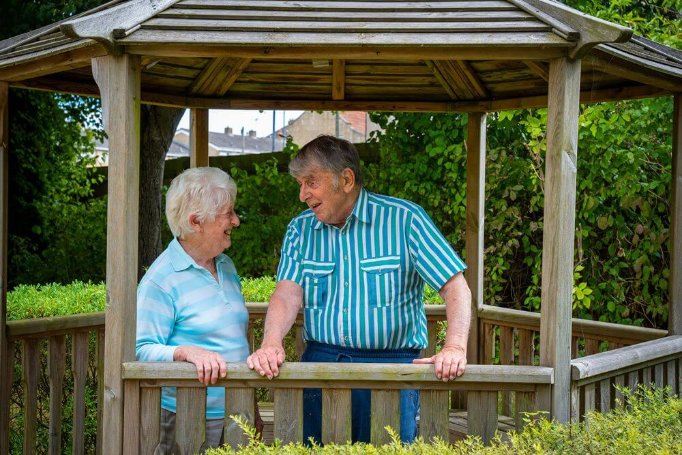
(266, 360)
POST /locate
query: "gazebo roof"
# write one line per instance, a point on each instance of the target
(438, 55)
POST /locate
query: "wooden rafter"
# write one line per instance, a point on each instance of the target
(620, 68)
(459, 79)
(442, 79)
(538, 68)
(338, 79)
(219, 75)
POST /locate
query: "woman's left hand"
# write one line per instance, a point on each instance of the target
(210, 365)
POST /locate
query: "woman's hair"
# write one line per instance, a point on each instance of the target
(202, 191)
(329, 153)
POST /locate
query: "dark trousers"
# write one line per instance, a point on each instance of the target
(360, 399)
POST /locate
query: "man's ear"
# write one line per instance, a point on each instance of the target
(347, 180)
(194, 222)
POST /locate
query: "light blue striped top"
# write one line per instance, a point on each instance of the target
(363, 284)
(180, 303)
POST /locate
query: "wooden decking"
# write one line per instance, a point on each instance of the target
(458, 423)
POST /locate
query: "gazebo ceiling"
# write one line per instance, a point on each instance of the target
(439, 55)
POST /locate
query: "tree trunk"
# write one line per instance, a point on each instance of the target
(158, 125)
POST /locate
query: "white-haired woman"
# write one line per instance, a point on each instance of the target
(189, 303)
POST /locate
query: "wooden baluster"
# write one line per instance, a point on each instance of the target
(432, 332)
(576, 411)
(241, 402)
(79, 367)
(647, 376)
(634, 380)
(671, 375)
(618, 398)
(385, 412)
(288, 425)
(575, 347)
(482, 414)
(131, 418)
(590, 399)
(31, 371)
(433, 415)
(605, 395)
(100, 387)
(591, 346)
(190, 419)
(659, 375)
(506, 358)
(525, 403)
(150, 418)
(299, 342)
(56, 366)
(336, 415)
(679, 375)
(526, 347)
(488, 344)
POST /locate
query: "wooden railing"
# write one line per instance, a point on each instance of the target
(481, 383)
(594, 378)
(38, 342)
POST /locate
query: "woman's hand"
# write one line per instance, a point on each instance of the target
(210, 365)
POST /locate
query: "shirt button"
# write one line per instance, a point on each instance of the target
(345, 310)
(346, 284)
(345, 258)
(345, 338)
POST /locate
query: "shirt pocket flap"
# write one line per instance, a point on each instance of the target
(315, 269)
(380, 265)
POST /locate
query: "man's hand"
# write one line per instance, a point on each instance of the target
(449, 363)
(267, 360)
(210, 365)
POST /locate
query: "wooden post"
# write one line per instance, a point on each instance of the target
(559, 229)
(675, 301)
(5, 363)
(476, 143)
(118, 78)
(198, 137)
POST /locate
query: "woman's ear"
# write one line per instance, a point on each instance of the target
(347, 180)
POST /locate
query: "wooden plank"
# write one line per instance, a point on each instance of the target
(482, 414)
(239, 402)
(671, 375)
(198, 138)
(150, 418)
(289, 415)
(336, 416)
(675, 279)
(475, 222)
(591, 346)
(539, 69)
(433, 415)
(337, 7)
(506, 358)
(647, 375)
(590, 398)
(432, 334)
(659, 375)
(385, 413)
(576, 402)
(526, 347)
(633, 380)
(525, 403)
(119, 83)
(619, 382)
(605, 393)
(190, 419)
(56, 367)
(219, 76)
(79, 368)
(559, 228)
(55, 325)
(132, 419)
(338, 79)
(30, 360)
(6, 356)
(100, 387)
(488, 344)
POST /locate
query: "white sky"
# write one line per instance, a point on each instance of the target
(261, 121)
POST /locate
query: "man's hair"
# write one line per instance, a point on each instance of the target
(327, 152)
(201, 191)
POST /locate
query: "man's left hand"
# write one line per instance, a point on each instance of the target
(449, 363)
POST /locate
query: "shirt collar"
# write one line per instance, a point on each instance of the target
(360, 210)
(180, 260)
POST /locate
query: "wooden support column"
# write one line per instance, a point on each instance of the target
(118, 78)
(5, 354)
(559, 229)
(476, 144)
(198, 138)
(675, 302)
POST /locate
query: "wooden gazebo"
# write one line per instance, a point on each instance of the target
(441, 56)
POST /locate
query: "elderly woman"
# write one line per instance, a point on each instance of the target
(189, 303)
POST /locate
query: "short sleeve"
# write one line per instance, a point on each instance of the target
(290, 259)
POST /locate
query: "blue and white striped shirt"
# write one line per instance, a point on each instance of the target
(363, 284)
(181, 303)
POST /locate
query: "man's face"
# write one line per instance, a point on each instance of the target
(327, 195)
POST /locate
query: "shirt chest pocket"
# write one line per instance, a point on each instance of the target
(317, 283)
(381, 280)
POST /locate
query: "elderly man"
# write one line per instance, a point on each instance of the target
(358, 261)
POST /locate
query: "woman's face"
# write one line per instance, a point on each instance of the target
(218, 233)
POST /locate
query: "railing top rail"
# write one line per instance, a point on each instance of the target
(54, 325)
(626, 357)
(346, 372)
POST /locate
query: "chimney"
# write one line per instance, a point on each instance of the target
(252, 133)
(228, 130)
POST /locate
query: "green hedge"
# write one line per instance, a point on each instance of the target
(651, 423)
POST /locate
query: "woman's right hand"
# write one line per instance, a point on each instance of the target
(210, 365)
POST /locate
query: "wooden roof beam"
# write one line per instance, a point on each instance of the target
(538, 68)
(613, 65)
(338, 79)
(219, 75)
(444, 82)
(592, 30)
(43, 65)
(458, 78)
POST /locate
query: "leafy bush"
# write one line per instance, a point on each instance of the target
(650, 423)
(38, 301)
